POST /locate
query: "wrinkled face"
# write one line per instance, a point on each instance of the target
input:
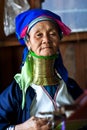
(44, 39)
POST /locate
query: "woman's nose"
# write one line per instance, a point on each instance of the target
(46, 38)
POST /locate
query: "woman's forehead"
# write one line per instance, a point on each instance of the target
(44, 25)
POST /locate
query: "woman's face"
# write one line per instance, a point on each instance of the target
(44, 39)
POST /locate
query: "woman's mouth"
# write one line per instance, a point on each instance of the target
(46, 47)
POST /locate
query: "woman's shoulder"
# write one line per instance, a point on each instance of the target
(12, 91)
(73, 88)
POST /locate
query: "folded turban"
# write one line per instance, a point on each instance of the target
(26, 20)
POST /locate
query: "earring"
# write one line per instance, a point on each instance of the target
(29, 48)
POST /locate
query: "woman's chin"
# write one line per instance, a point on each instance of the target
(47, 54)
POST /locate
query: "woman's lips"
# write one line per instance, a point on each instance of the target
(46, 47)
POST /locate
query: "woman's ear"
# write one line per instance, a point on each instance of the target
(27, 41)
(28, 44)
(27, 37)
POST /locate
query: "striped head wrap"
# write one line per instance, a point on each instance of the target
(26, 20)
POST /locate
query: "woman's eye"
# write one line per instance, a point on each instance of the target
(53, 34)
(39, 35)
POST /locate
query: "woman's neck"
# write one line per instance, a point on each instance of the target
(43, 71)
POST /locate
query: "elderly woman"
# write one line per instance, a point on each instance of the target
(43, 84)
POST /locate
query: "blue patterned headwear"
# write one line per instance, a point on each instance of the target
(26, 20)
